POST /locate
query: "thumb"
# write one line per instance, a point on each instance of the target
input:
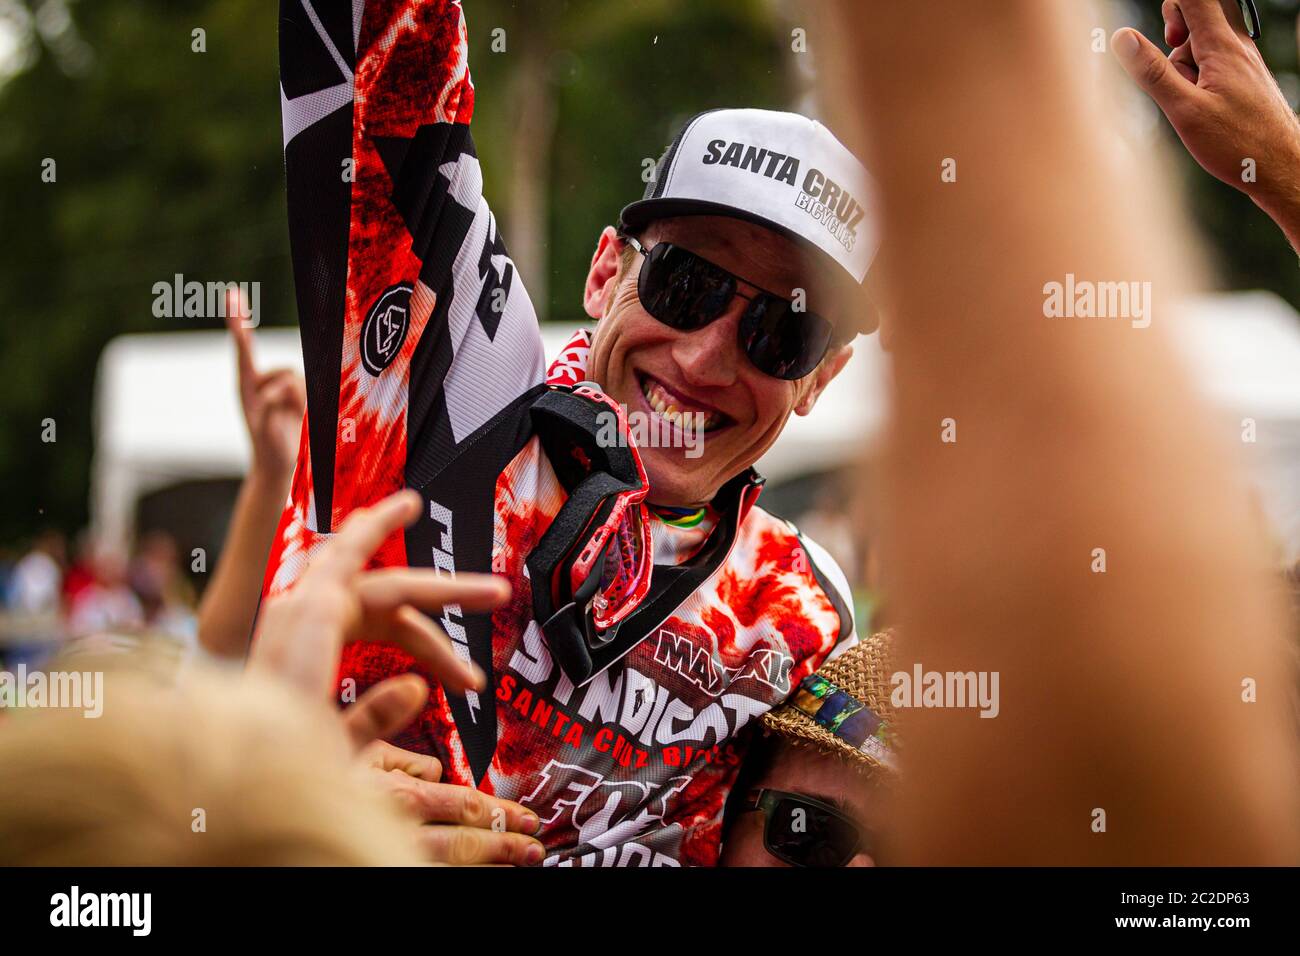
(385, 709)
(1151, 70)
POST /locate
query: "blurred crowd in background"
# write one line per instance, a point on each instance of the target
(59, 591)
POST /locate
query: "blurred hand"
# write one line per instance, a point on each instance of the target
(273, 402)
(463, 827)
(457, 825)
(300, 639)
(301, 633)
(1221, 98)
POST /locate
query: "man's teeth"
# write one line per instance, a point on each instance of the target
(661, 401)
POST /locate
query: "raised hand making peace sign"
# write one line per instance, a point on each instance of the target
(273, 402)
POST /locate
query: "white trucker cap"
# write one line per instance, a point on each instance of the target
(780, 170)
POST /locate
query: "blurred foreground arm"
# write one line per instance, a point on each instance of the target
(1120, 691)
(1223, 102)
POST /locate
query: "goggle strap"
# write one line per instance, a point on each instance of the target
(672, 586)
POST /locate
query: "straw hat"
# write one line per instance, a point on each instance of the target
(843, 709)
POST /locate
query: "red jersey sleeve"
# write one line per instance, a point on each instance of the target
(416, 328)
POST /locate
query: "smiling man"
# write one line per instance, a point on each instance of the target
(656, 610)
(669, 366)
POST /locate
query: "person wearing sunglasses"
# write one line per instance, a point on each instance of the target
(814, 785)
(722, 292)
(657, 611)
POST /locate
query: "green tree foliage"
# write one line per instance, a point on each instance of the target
(168, 160)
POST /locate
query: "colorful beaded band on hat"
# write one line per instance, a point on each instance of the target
(845, 716)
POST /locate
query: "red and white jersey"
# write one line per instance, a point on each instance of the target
(422, 354)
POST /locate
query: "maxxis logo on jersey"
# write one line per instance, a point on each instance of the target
(384, 330)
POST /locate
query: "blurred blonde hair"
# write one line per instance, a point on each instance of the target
(269, 772)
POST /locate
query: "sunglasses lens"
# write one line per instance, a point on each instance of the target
(682, 290)
(686, 292)
(782, 341)
(806, 834)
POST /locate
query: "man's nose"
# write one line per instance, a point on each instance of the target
(710, 356)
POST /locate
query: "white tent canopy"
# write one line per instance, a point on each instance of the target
(1244, 350)
(167, 410)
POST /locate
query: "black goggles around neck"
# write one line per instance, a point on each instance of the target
(804, 831)
(686, 292)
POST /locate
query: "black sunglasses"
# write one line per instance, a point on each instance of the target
(804, 831)
(687, 292)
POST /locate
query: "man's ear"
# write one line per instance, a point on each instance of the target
(601, 275)
(831, 366)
